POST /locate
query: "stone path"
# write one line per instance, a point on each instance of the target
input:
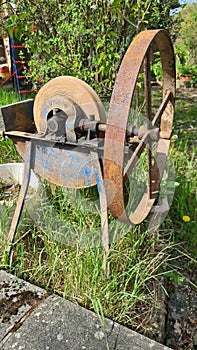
(32, 320)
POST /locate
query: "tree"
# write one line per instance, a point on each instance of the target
(84, 38)
(186, 30)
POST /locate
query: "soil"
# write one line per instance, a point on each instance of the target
(10, 306)
(181, 321)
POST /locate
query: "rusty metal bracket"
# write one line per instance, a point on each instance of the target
(103, 209)
(21, 199)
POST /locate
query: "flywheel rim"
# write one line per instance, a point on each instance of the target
(122, 95)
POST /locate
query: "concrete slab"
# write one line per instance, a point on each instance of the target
(17, 299)
(58, 324)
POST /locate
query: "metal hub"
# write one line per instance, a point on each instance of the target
(71, 96)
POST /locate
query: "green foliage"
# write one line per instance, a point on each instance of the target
(182, 54)
(157, 69)
(183, 63)
(175, 277)
(194, 74)
(85, 39)
(8, 151)
(158, 14)
(185, 30)
(8, 96)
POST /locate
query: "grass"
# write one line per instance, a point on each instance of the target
(138, 258)
(8, 152)
(8, 96)
(183, 151)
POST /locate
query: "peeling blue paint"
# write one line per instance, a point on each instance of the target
(87, 173)
(98, 182)
(72, 169)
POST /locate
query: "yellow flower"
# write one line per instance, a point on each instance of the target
(174, 137)
(186, 218)
(185, 132)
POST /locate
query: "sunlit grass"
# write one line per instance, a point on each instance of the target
(8, 95)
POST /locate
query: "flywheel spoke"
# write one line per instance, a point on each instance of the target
(162, 107)
(134, 158)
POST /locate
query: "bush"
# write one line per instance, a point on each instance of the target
(85, 39)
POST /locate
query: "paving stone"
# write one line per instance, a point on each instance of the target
(17, 298)
(58, 324)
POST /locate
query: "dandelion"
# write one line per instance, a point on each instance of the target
(185, 132)
(174, 137)
(186, 218)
